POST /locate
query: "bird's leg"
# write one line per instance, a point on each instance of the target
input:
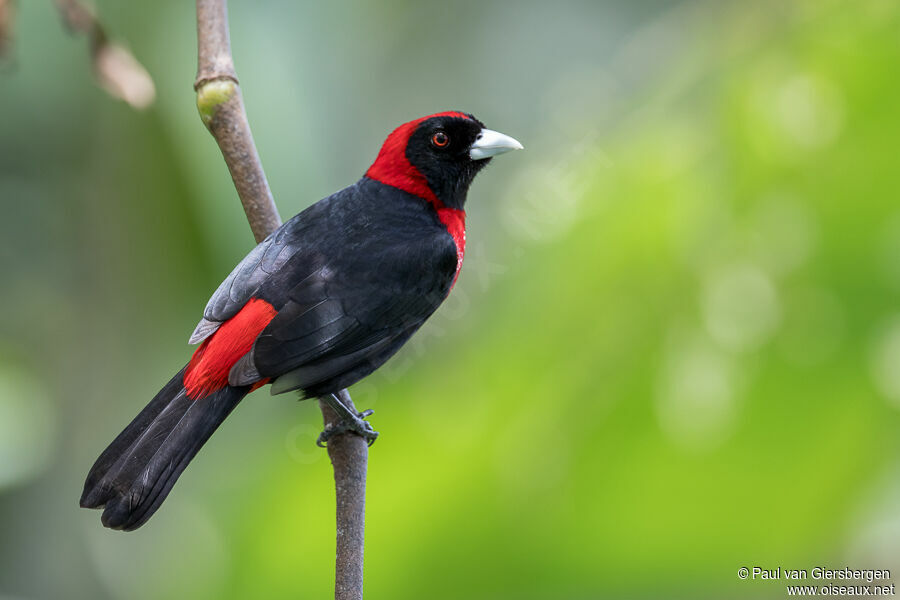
(351, 421)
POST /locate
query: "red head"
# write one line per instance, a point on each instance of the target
(437, 157)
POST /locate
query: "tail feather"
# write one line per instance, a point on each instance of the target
(137, 471)
(127, 438)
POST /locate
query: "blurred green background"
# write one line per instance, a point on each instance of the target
(674, 349)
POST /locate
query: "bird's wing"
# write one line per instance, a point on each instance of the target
(266, 259)
(336, 319)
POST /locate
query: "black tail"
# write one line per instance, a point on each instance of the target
(137, 471)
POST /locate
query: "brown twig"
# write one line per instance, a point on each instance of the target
(349, 456)
(115, 68)
(221, 108)
(7, 17)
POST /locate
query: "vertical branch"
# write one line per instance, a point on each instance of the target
(221, 108)
(349, 456)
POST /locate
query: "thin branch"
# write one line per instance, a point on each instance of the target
(7, 18)
(221, 108)
(115, 68)
(349, 456)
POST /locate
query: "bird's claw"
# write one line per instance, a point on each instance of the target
(356, 425)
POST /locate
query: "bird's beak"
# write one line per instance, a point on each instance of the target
(491, 143)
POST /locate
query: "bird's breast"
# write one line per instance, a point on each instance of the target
(455, 222)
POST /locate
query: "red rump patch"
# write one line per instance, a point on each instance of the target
(394, 169)
(208, 370)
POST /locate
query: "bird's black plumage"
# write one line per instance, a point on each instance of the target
(377, 264)
(342, 286)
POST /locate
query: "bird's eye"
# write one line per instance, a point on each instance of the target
(440, 140)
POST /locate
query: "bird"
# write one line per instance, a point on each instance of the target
(317, 306)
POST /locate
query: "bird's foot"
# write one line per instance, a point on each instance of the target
(351, 422)
(357, 425)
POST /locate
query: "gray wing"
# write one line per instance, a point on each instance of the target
(267, 258)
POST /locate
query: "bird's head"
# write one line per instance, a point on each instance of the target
(437, 157)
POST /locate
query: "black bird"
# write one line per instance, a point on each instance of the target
(322, 302)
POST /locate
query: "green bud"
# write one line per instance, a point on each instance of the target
(212, 94)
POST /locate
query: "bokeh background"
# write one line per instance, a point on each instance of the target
(674, 349)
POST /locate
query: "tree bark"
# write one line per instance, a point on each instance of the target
(349, 457)
(222, 110)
